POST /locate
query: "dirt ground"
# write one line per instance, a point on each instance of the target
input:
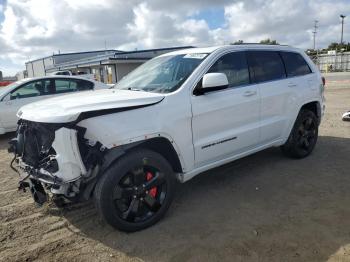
(264, 207)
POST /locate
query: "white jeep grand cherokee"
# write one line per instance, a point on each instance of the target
(172, 118)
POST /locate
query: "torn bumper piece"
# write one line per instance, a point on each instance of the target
(48, 157)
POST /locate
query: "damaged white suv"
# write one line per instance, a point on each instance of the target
(172, 118)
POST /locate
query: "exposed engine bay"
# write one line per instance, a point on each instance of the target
(46, 164)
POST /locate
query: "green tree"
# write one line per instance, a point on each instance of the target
(268, 41)
(339, 47)
(239, 42)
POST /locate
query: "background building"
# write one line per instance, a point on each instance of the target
(21, 74)
(109, 66)
(38, 67)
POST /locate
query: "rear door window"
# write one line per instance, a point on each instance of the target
(72, 85)
(63, 86)
(234, 66)
(81, 85)
(295, 64)
(265, 66)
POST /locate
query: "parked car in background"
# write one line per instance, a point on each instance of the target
(172, 118)
(25, 91)
(62, 73)
(69, 73)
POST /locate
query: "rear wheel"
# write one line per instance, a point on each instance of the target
(303, 137)
(136, 191)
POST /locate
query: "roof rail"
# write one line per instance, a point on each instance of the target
(255, 44)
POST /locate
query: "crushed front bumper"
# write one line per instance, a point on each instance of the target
(47, 156)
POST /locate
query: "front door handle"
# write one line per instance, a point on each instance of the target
(249, 93)
(292, 85)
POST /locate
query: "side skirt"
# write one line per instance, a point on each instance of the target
(187, 176)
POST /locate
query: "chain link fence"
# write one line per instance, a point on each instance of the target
(339, 62)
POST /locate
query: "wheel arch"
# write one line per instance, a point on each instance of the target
(164, 147)
(161, 145)
(312, 105)
(315, 107)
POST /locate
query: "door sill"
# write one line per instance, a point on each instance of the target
(189, 175)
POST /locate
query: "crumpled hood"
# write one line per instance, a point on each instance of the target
(68, 108)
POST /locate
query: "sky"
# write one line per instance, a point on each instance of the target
(31, 29)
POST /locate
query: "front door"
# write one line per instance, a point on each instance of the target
(23, 95)
(226, 122)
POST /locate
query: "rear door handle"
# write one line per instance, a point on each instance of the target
(292, 85)
(249, 93)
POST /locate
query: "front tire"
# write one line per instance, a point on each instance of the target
(303, 138)
(136, 191)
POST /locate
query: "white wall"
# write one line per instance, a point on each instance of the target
(39, 69)
(20, 75)
(29, 69)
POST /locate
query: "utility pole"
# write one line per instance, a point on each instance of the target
(315, 32)
(342, 28)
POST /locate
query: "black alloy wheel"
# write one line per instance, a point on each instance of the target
(136, 191)
(303, 137)
(307, 134)
(140, 194)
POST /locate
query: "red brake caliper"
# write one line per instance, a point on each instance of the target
(153, 191)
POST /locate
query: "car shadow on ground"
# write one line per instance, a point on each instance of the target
(262, 207)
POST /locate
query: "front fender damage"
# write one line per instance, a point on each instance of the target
(56, 158)
(68, 155)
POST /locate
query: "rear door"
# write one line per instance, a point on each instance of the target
(226, 122)
(299, 72)
(276, 91)
(302, 83)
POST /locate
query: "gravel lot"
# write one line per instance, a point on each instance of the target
(264, 207)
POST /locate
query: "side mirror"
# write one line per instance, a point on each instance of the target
(212, 82)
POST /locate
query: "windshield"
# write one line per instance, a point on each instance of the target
(162, 74)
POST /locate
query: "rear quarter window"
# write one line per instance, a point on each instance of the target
(295, 64)
(72, 85)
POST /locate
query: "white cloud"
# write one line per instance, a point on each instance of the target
(155, 28)
(290, 22)
(35, 28)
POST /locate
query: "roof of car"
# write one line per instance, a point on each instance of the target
(231, 47)
(54, 76)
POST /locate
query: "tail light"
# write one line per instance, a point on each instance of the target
(323, 81)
